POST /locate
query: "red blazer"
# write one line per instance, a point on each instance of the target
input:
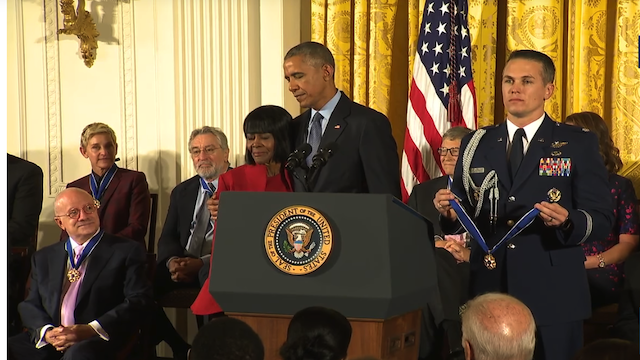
(242, 178)
(125, 207)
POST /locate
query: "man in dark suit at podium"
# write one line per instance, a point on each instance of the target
(365, 158)
(528, 162)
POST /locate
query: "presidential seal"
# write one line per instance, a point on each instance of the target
(298, 240)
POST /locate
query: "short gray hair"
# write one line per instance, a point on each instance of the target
(481, 317)
(456, 133)
(217, 132)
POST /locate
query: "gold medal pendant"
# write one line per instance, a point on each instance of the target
(554, 195)
(96, 202)
(73, 275)
(490, 261)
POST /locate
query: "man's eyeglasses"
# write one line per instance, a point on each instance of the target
(453, 151)
(75, 213)
(209, 150)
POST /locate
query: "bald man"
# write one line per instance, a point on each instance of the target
(88, 293)
(498, 326)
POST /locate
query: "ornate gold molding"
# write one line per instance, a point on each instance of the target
(81, 24)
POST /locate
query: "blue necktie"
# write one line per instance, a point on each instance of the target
(315, 134)
(210, 225)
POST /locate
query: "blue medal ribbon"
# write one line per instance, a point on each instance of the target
(85, 252)
(471, 227)
(205, 187)
(98, 192)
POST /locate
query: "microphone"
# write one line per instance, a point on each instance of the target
(320, 159)
(298, 157)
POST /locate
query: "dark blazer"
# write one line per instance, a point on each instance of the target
(541, 266)
(24, 200)
(115, 290)
(177, 225)
(421, 200)
(125, 206)
(626, 326)
(366, 158)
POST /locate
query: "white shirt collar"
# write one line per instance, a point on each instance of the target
(75, 245)
(530, 130)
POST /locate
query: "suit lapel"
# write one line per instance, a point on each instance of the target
(190, 196)
(497, 155)
(538, 147)
(57, 267)
(337, 121)
(108, 194)
(96, 262)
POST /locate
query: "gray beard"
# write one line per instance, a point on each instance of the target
(211, 174)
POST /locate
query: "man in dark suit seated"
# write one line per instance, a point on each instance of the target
(184, 247)
(452, 278)
(24, 204)
(122, 194)
(626, 326)
(365, 158)
(88, 294)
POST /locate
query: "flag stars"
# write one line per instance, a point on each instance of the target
(447, 70)
(462, 72)
(427, 28)
(444, 8)
(430, 8)
(464, 32)
(441, 28)
(463, 52)
(434, 68)
(438, 48)
(445, 90)
(425, 48)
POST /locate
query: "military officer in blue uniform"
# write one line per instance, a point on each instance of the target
(536, 190)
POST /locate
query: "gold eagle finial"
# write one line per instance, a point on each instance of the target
(79, 22)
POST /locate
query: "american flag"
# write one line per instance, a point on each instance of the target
(442, 94)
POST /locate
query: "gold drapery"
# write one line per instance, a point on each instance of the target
(593, 43)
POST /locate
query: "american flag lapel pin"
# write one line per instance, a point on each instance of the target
(337, 126)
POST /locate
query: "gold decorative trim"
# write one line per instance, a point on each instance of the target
(128, 77)
(79, 23)
(54, 134)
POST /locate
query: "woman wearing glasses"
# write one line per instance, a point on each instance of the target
(121, 195)
(266, 131)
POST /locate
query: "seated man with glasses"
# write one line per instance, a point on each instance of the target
(88, 294)
(452, 279)
(184, 247)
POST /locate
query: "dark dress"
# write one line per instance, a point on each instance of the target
(606, 283)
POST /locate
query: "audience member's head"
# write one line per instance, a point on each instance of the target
(596, 124)
(226, 338)
(209, 151)
(317, 333)
(609, 349)
(98, 144)
(450, 148)
(77, 214)
(266, 130)
(498, 327)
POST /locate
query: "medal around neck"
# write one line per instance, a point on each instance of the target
(98, 191)
(490, 263)
(73, 275)
(74, 269)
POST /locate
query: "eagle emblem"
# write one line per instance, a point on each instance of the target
(299, 237)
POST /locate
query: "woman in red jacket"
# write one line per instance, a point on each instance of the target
(266, 130)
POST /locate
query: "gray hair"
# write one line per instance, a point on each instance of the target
(456, 133)
(217, 132)
(480, 322)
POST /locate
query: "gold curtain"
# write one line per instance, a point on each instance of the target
(594, 44)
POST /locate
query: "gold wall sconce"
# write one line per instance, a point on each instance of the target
(81, 24)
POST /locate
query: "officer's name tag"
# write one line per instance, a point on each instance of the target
(478, 170)
(555, 167)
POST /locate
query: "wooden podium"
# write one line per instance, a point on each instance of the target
(380, 271)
